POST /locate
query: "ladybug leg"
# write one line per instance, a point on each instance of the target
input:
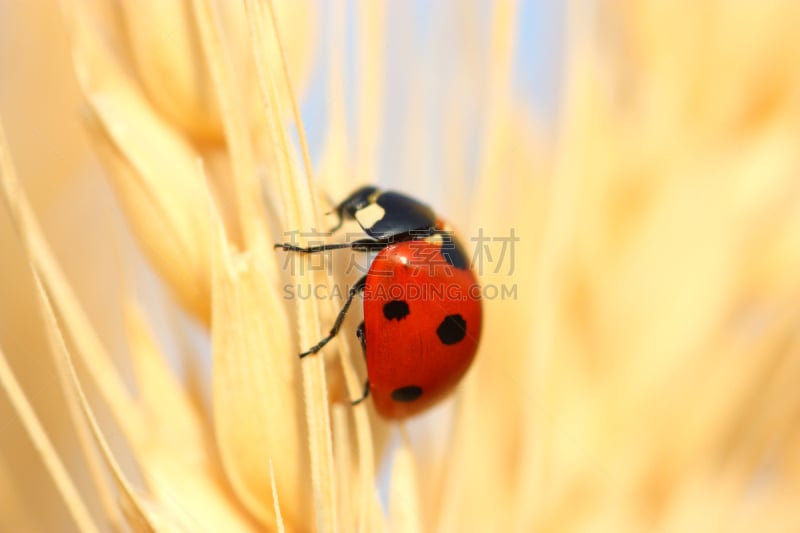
(355, 289)
(360, 245)
(362, 336)
(363, 396)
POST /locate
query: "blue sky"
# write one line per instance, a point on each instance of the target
(432, 55)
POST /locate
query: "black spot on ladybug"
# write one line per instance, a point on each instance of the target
(452, 329)
(406, 394)
(395, 310)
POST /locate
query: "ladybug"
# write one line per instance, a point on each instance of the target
(422, 306)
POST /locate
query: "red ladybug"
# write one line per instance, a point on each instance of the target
(422, 307)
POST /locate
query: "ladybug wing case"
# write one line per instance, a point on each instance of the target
(422, 321)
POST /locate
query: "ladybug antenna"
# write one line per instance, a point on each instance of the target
(338, 212)
(335, 210)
